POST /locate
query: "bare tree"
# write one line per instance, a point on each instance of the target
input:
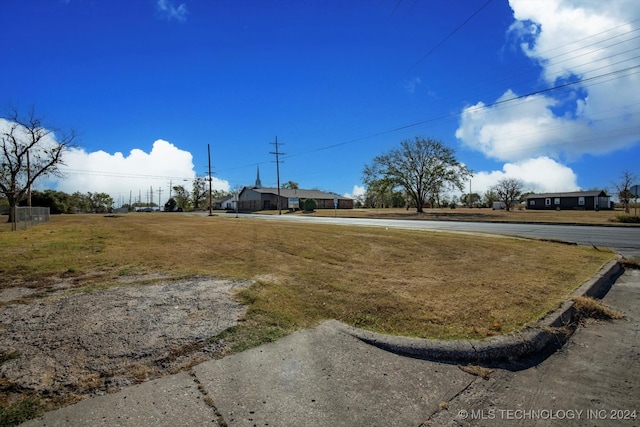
(623, 187)
(508, 191)
(421, 167)
(29, 151)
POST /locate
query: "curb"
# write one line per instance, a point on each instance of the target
(507, 350)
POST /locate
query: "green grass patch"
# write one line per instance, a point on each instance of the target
(23, 409)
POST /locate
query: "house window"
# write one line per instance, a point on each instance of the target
(581, 201)
(547, 202)
(556, 201)
(532, 202)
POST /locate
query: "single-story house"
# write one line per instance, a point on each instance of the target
(258, 198)
(227, 202)
(581, 200)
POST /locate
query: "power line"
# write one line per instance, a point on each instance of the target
(585, 81)
(504, 103)
(470, 109)
(448, 36)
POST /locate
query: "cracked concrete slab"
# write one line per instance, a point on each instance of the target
(171, 401)
(322, 377)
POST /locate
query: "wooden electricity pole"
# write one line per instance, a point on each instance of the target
(277, 154)
(210, 201)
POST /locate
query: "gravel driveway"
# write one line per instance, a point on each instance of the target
(101, 341)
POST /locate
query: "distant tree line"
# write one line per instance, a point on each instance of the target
(62, 203)
(198, 198)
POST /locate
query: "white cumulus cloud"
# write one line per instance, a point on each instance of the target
(135, 175)
(540, 175)
(592, 43)
(358, 191)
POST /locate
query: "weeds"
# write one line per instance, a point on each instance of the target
(476, 370)
(23, 409)
(630, 263)
(591, 308)
(5, 357)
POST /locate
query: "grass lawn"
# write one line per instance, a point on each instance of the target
(414, 283)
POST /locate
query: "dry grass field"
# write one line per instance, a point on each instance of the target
(414, 283)
(421, 284)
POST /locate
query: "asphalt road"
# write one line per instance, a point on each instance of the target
(625, 240)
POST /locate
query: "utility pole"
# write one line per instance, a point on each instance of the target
(277, 154)
(28, 181)
(210, 201)
(159, 197)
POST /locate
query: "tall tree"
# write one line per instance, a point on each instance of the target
(200, 195)
(81, 202)
(471, 199)
(292, 185)
(508, 191)
(182, 196)
(423, 168)
(57, 201)
(100, 202)
(28, 151)
(623, 188)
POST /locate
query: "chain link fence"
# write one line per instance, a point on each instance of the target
(26, 217)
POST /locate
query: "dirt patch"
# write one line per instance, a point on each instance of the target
(101, 341)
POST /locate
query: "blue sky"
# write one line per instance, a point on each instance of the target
(545, 91)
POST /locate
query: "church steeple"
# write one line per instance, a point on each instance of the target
(258, 183)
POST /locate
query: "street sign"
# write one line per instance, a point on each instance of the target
(335, 202)
(635, 190)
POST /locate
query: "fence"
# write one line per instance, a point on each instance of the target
(26, 217)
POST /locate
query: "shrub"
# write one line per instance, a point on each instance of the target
(310, 205)
(628, 219)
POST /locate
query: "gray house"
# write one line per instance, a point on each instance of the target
(579, 200)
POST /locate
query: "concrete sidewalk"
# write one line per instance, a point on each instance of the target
(325, 376)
